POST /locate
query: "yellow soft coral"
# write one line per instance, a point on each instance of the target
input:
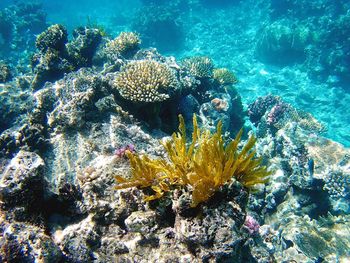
(203, 166)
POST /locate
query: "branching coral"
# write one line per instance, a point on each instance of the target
(224, 76)
(202, 167)
(145, 81)
(124, 44)
(200, 67)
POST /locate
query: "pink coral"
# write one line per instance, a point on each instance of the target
(121, 152)
(251, 225)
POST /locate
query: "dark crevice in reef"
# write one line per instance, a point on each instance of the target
(150, 242)
(121, 221)
(167, 217)
(314, 202)
(60, 209)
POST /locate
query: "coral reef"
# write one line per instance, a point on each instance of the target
(200, 67)
(21, 242)
(283, 44)
(337, 184)
(307, 187)
(22, 185)
(28, 137)
(310, 239)
(75, 96)
(122, 152)
(219, 104)
(51, 62)
(55, 37)
(15, 103)
(118, 221)
(224, 76)
(57, 56)
(48, 66)
(258, 108)
(272, 113)
(125, 44)
(145, 81)
(83, 46)
(5, 72)
(289, 204)
(251, 225)
(92, 100)
(224, 107)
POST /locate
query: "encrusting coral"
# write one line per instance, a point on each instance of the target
(202, 167)
(145, 81)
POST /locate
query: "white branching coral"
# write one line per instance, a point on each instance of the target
(145, 81)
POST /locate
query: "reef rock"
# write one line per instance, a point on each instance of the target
(22, 242)
(22, 185)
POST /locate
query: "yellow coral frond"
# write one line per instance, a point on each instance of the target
(203, 166)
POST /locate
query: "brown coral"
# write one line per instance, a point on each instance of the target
(219, 104)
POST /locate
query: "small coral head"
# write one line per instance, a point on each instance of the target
(145, 81)
(251, 225)
(122, 151)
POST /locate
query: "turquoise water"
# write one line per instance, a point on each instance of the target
(294, 49)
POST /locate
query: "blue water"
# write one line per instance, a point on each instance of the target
(294, 49)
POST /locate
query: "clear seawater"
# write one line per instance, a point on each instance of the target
(229, 32)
